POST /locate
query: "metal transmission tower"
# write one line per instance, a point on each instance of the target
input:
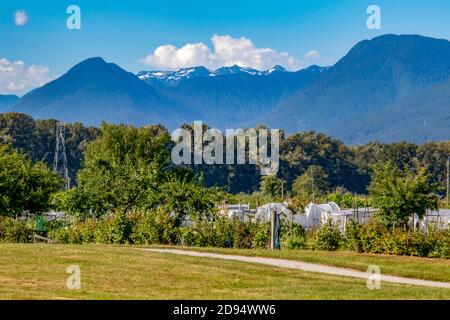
(60, 161)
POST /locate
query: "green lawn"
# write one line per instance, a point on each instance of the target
(37, 271)
(412, 267)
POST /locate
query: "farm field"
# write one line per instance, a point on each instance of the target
(38, 271)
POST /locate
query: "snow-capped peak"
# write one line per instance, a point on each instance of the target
(277, 68)
(172, 78)
(236, 69)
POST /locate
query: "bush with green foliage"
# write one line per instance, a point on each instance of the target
(375, 237)
(262, 236)
(243, 234)
(328, 237)
(154, 227)
(15, 231)
(353, 237)
(293, 236)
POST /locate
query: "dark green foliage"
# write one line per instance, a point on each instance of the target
(271, 186)
(348, 167)
(37, 139)
(300, 151)
(312, 184)
(24, 186)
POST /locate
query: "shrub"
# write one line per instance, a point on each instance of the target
(154, 227)
(88, 230)
(14, 231)
(294, 243)
(375, 237)
(202, 234)
(189, 237)
(243, 234)
(328, 237)
(443, 244)
(223, 232)
(293, 236)
(353, 237)
(371, 235)
(261, 239)
(439, 244)
(60, 235)
(158, 227)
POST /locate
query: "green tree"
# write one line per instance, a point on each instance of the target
(299, 151)
(312, 184)
(271, 186)
(119, 169)
(398, 194)
(129, 169)
(24, 186)
(37, 139)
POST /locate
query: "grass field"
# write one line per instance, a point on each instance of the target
(32, 271)
(411, 267)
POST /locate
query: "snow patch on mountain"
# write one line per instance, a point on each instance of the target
(172, 78)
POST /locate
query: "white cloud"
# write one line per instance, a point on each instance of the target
(17, 78)
(227, 51)
(313, 55)
(20, 18)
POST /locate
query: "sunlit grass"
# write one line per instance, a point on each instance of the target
(412, 267)
(31, 271)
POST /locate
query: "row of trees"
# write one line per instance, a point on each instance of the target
(349, 167)
(127, 168)
(37, 138)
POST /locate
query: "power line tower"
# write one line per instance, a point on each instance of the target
(60, 161)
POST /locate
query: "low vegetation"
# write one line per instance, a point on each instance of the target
(158, 228)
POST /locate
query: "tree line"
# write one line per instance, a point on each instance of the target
(122, 168)
(348, 167)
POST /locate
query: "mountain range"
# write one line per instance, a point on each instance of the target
(390, 88)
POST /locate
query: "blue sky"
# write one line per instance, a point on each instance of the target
(126, 32)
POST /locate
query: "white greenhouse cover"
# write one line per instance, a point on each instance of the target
(312, 217)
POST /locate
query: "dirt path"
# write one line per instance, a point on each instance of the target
(305, 266)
